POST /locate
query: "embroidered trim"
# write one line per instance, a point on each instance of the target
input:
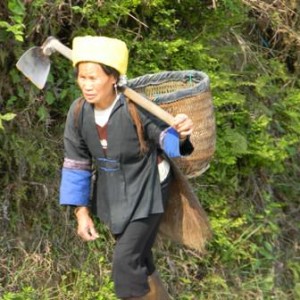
(76, 164)
(108, 164)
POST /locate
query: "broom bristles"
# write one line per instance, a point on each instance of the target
(184, 220)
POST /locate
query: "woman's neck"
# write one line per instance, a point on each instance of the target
(106, 103)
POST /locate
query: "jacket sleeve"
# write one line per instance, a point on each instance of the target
(76, 171)
(167, 138)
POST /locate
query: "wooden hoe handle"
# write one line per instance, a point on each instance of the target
(149, 106)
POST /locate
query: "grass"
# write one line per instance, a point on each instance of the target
(252, 256)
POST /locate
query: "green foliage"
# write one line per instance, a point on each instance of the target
(86, 286)
(15, 24)
(251, 191)
(26, 293)
(6, 117)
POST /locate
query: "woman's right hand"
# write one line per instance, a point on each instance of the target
(85, 225)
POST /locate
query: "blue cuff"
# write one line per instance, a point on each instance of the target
(170, 142)
(75, 187)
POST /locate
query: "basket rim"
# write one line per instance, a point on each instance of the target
(200, 78)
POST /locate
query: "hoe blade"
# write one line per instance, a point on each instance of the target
(35, 65)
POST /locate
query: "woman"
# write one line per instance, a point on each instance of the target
(129, 149)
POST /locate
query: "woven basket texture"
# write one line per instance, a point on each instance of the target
(185, 92)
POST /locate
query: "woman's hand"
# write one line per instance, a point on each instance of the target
(85, 228)
(183, 125)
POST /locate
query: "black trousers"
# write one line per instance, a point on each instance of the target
(133, 259)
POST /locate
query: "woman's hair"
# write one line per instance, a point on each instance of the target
(131, 107)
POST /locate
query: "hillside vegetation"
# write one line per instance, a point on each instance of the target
(251, 192)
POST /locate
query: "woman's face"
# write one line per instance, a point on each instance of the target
(96, 86)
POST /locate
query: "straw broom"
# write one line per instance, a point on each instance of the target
(184, 221)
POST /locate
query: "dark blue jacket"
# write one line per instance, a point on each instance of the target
(127, 185)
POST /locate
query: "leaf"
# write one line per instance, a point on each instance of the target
(16, 7)
(42, 113)
(7, 117)
(4, 24)
(19, 38)
(50, 98)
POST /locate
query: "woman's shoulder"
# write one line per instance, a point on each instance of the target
(79, 105)
(76, 102)
(145, 116)
(75, 109)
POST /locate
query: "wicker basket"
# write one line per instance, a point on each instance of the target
(185, 92)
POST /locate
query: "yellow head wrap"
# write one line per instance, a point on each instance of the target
(108, 51)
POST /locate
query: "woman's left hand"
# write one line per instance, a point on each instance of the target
(183, 125)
